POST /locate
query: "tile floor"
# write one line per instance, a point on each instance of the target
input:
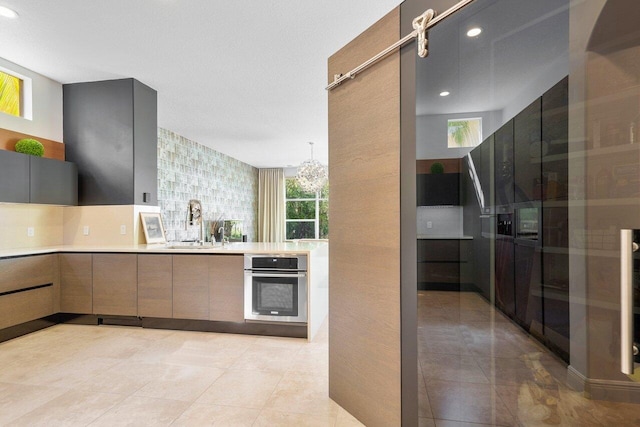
(75, 375)
(477, 368)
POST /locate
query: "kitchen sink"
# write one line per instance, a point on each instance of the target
(193, 246)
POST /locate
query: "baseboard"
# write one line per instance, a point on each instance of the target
(609, 390)
(452, 287)
(16, 331)
(268, 329)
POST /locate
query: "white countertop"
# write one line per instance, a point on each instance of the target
(434, 237)
(229, 248)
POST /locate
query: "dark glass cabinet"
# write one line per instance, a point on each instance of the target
(527, 170)
(503, 155)
(438, 189)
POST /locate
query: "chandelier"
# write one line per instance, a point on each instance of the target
(312, 175)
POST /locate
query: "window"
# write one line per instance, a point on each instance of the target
(464, 132)
(15, 94)
(307, 213)
(10, 90)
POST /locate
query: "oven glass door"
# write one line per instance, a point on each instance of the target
(275, 296)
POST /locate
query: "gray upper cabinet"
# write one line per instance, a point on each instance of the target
(110, 132)
(53, 182)
(29, 179)
(14, 177)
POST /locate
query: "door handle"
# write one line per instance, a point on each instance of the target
(627, 248)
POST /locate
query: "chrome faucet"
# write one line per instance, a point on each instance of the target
(221, 232)
(194, 217)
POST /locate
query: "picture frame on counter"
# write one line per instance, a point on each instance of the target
(153, 228)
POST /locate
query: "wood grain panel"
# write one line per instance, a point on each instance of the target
(191, 287)
(25, 306)
(76, 283)
(450, 165)
(155, 286)
(115, 278)
(364, 260)
(21, 273)
(226, 288)
(52, 149)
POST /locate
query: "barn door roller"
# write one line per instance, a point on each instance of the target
(421, 24)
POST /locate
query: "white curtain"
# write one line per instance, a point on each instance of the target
(271, 205)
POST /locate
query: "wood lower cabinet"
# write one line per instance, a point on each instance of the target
(226, 288)
(115, 278)
(155, 286)
(76, 283)
(191, 287)
(28, 287)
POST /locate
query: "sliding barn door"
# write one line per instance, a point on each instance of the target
(364, 264)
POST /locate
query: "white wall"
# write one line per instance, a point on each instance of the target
(445, 220)
(47, 106)
(431, 133)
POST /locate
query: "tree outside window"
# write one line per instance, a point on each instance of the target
(307, 213)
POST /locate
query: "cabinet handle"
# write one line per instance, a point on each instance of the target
(626, 301)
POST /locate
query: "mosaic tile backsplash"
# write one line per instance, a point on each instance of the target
(227, 188)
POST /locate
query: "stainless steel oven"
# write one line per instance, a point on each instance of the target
(275, 288)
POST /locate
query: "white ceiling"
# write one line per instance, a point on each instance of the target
(243, 77)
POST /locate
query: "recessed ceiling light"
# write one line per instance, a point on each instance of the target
(8, 13)
(444, 93)
(473, 32)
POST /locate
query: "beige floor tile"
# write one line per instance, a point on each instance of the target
(424, 407)
(73, 372)
(17, 400)
(266, 358)
(74, 408)
(247, 389)
(305, 394)
(447, 423)
(426, 422)
(311, 362)
(443, 345)
(126, 377)
(142, 411)
(178, 382)
(617, 413)
(529, 368)
(271, 418)
(451, 367)
(216, 415)
(468, 402)
(345, 419)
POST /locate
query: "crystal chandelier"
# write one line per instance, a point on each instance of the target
(312, 175)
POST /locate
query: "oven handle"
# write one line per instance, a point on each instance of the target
(276, 274)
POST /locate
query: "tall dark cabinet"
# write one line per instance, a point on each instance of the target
(527, 143)
(555, 214)
(503, 155)
(110, 132)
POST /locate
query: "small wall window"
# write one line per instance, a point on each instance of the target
(15, 94)
(464, 132)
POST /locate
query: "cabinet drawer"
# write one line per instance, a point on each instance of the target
(438, 250)
(439, 272)
(21, 273)
(25, 306)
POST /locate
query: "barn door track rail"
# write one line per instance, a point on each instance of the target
(421, 24)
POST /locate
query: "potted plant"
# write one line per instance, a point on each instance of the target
(31, 147)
